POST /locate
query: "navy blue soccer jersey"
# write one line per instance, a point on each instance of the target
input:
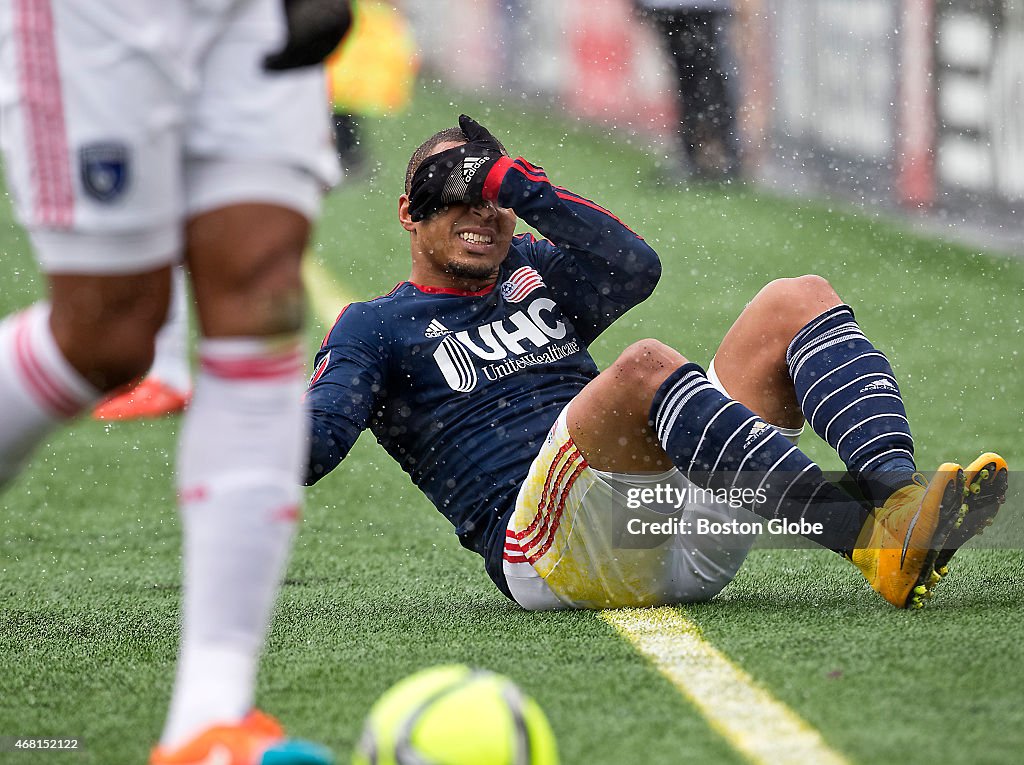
(461, 388)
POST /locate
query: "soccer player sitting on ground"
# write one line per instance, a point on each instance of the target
(475, 376)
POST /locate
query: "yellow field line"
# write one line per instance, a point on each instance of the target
(326, 297)
(760, 727)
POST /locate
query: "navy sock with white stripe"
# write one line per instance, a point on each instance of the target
(849, 395)
(718, 443)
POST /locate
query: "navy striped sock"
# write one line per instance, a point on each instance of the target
(718, 443)
(851, 399)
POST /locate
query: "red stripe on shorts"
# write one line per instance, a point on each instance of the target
(539, 553)
(39, 78)
(547, 483)
(548, 502)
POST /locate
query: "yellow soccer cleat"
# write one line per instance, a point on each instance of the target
(902, 538)
(257, 740)
(985, 483)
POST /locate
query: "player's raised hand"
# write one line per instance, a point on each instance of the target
(457, 175)
(479, 136)
(315, 29)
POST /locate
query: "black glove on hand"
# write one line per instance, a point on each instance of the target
(479, 136)
(315, 29)
(457, 175)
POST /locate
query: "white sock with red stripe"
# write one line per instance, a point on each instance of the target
(39, 389)
(243, 448)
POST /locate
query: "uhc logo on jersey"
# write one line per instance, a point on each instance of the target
(456, 365)
(521, 283)
(520, 340)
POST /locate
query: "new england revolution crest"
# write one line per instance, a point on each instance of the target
(521, 283)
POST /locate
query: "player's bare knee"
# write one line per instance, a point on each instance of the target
(798, 290)
(252, 286)
(643, 366)
(814, 290)
(791, 302)
(106, 327)
(118, 355)
(276, 300)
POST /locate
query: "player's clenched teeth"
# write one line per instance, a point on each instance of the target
(472, 238)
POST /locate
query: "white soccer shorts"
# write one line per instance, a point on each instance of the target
(121, 118)
(573, 541)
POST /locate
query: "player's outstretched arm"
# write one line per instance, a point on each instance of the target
(348, 381)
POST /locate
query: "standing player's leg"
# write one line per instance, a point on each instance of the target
(83, 194)
(241, 454)
(39, 389)
(168, 383)
(171, 365)
(709, 111)
(258, 158)
(57, 357)
(670, 25)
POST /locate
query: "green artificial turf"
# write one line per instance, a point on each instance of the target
(378, 586)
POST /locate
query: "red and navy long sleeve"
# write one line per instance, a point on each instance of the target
(597, 267)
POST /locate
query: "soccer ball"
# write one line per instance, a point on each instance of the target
(454, 715)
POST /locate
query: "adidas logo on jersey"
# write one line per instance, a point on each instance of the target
(435, 329)
(469, 167)
(757, 430)
(880, 384)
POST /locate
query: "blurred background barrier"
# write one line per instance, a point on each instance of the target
(912, 104)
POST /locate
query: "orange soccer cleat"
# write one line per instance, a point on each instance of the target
(257, 740)
(150, 398)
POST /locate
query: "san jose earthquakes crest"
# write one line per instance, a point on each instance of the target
(105, 169)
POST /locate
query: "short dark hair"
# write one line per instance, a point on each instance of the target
(426, 148)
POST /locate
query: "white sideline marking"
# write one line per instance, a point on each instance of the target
(759, 726)
(325, 294)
